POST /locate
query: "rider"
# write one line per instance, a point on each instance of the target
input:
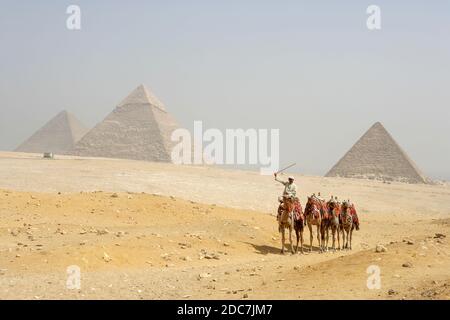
(290, 189)
(320, 197)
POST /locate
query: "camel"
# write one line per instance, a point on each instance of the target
(313, 215)
(347, 226)
(298, 224)
(286, 221)
(334, 211)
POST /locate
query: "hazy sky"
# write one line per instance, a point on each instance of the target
(310, 68)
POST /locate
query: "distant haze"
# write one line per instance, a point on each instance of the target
(310, 68)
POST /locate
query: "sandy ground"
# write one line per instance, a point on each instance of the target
(142, 230)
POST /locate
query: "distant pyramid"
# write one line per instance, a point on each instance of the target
(57, 136)
(376, 155)
(139, 128)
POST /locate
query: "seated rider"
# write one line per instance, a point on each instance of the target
(290, 191)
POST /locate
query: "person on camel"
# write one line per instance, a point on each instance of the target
(290, 189)
(289, 193)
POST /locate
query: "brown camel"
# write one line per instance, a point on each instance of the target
(286, 220)
(347, 226)
(334, 211)
(299, 219)
(313, 216)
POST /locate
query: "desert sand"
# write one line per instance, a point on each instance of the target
(141, 230)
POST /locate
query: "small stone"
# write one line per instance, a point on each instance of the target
(204, 275)
(392, 292)
(439, 236)
(410, 242)
(407, 265)
(114, 195)
(102, 232)
(380, 248)
(106, 257)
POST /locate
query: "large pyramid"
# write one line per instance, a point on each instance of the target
(139, 128)
(376, 155)
(59, 135)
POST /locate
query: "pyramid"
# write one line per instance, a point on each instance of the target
(59, 135)
(139, 128)
(376, 155)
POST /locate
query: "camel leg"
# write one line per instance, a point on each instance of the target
(333, 235)
(282, 240)
(301, 241)
(346, 238)
(310, 236)
(328, 238)
(338, 237)
(351, 234)
(318, 237)
(290, 239)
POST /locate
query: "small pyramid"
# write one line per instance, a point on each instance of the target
(139, 128)
(59, 135)
(376, 155)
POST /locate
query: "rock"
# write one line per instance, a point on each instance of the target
(106, 257)
(245, 296)
(203, 275)
(380, 248)
(439, 236)
(14, 233)
(102, 232)
(407, 265)
(410, 242)
(60, 231)
(392, 292)
(120, 234)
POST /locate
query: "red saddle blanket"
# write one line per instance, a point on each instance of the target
(298, 212)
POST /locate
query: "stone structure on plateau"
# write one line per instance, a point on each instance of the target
(376, 155)
(59, 135)
(139, 128)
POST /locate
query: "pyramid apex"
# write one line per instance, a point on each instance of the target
(141, 95)
(378, 124)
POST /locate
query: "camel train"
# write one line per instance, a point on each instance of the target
(339, 218)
